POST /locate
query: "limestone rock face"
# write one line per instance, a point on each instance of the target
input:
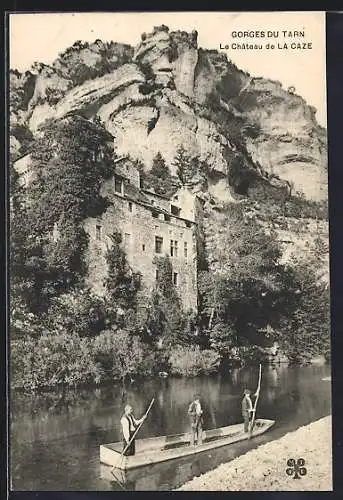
(173, 125)
(50, 87)
(289, 142)
(167, 92)
(22, 87)
(174, 54)
(87, 98)
(14, 147)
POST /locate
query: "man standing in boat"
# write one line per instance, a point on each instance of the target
(247, 409)
(129, 424)
(195, 413)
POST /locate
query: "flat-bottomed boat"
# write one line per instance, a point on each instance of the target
(160, 449)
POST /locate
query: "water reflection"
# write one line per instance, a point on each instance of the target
(55, 438)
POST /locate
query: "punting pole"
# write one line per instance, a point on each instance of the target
(252, 423)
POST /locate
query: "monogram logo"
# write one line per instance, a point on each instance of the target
(296, 468)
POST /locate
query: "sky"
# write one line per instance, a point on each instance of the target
(40, 37)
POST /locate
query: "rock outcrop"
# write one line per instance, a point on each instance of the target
(167, 92)
(287, 140)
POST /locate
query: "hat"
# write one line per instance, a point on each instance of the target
(127, 408)
(247, 391)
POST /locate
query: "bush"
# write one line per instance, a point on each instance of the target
(51, 361)
(63, 359)
(247, 355)
(79, 311)
(119, 354)
(192, 361)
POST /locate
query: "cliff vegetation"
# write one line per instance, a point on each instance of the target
(241, 143)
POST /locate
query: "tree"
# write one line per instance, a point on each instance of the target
(305, 325)
(159, 177)
(182, 163)
(166, 321)
(159, 168)
(122, 283)
(70, 159)
(190, 168)
(77, 312)
(248, 291)
(119, 354)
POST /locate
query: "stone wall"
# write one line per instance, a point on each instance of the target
(139, 229)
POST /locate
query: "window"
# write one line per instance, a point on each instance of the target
(185, 250)
(143, 247)
(175, 279)
(127, 239)
(157, 274)
(188, 224)
(98, 232)
(154, 214)
(158, 244)
(173, 248)
(118, 185)
(130, 206)
(166, 217)
(175, 210)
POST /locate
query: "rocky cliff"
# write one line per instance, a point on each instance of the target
(166, 92)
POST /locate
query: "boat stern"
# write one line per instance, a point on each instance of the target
(262, 425)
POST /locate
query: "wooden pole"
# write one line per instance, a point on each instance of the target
(252, 423)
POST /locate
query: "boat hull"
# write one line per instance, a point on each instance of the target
(160, 449)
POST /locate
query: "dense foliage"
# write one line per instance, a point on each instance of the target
(192, 361)
(248, 299)
(256, 300)
(166, 322)
(68, 161)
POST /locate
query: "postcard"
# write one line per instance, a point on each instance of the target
(169, 252)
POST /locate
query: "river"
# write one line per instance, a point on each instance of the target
(55, 438)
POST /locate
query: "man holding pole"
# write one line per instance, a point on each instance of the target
(129, 424)
(247, 409)
(195, 413)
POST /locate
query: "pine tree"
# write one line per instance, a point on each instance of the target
(159, 168)
(182, 163)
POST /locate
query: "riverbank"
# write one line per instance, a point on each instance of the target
(264, 468)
